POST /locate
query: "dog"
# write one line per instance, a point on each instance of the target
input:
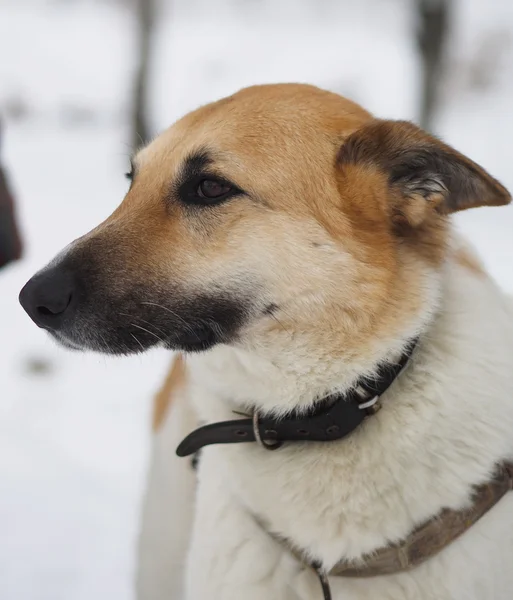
(289, 246)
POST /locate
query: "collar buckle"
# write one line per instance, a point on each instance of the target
(372, 406)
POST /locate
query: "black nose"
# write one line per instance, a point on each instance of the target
(48, 297)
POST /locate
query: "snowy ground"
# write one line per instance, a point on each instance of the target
(74, 428)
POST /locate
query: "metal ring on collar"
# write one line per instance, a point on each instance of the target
(267, 445)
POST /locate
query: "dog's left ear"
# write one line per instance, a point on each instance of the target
(422, 172)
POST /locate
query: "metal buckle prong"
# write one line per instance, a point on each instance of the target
(258, 438)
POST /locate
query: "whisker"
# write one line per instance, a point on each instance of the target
(279, 323)
(166, 309)
(147, 331)
(286, 313)
(172, 312)
(142, 347)
(143, 320)
(152, 325)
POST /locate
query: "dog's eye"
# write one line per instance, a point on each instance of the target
(207, 190)
(212, 189)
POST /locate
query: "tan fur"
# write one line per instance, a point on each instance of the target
(326, 199)
(175, 380)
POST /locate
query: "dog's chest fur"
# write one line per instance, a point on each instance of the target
(444, 424)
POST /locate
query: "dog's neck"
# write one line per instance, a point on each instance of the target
(324, 353)
(292, 379)
(441, 426)
(334, 417)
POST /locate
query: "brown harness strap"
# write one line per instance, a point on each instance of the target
(431, 537)
(424, 542)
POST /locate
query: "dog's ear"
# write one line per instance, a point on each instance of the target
(423, 173)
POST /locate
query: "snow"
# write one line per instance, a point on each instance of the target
(74, 431)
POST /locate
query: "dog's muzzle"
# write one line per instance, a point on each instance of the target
(88, 303)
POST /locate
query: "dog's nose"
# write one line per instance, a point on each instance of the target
(48, 297)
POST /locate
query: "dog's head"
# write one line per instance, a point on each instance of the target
(278, 210)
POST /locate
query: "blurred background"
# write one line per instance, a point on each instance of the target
(84, 81)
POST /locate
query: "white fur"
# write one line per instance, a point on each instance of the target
(444, 424)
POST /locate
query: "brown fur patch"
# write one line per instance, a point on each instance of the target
(422, 180)
(174, 381)
(418, 164)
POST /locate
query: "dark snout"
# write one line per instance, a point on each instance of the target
(50, 297)
(95, 298)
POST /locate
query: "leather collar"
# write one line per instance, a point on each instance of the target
(332, 418)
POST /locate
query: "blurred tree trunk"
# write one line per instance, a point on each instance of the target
(145, 21)
(433, 22)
